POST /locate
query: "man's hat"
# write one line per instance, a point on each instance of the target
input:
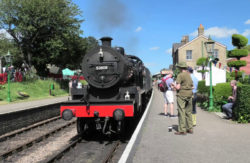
(182, 65)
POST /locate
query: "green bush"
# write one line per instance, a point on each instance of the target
(239, 74)
(238, 53)
(203, 93)
(221, 93)
(202, 71)
(202, 61)
(239, 40)
(237, 64)
(241, 110)
(229, 77)
(202, 88)
(246, 80)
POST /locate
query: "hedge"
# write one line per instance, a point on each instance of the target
(241, 110)
(203, 93)
(202, 61)
(202, 88)
(238, 53)
(202, 71)
(238, 63)
(221, 93)
(239, 40)
(239, 74)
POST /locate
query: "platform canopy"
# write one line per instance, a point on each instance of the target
(67, 72)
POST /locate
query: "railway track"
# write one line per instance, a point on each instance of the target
(58, 155)
(25, 129)
(28, 143)
(112, 152)
(109, 152)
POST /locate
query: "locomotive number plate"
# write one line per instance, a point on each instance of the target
(101, 67)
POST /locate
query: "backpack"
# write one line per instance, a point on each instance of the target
(163, 85)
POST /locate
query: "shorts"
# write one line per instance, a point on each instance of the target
(168, 97)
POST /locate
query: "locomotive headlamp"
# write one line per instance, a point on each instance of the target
(67, 114)
(118, 114)
(127, 96)
(101, 55)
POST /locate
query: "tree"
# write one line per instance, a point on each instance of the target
(91, 43)
(75, 49)
(202, 62)
(42, 29)
(9, 45)
(247, 47)
(238, 41)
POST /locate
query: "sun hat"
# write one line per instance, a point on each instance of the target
(182, 65)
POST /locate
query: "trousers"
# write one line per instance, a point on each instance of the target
(227, 108)
(184, 114)
(194, 103)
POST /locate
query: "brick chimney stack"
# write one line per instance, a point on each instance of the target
(185, 39)
(200, 30)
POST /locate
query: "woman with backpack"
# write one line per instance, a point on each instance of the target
(168, 94)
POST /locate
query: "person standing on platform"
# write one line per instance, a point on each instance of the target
(195, 83)
(169, 95)
(184, 86)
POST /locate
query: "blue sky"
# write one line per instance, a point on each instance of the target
(148, 28)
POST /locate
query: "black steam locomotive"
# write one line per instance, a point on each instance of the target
(118, 86)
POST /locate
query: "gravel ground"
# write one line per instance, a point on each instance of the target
(92, 152)
(29, 135)
(44, 149)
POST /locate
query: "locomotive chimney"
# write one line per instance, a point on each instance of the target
(106, 41)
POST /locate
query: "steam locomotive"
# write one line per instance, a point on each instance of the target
(118, 87)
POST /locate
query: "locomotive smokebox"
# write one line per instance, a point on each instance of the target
(106, 41)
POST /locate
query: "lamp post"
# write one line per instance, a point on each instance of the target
(8, 61)
(210, 50)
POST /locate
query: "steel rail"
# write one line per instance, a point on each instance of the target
(19, 131)
(33, 141)
(110, 155)
(58, 155)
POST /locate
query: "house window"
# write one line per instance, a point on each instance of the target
(189, 55)
(216, 53)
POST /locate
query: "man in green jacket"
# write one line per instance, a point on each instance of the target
(184, 86)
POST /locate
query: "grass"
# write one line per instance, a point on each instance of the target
(37, 89)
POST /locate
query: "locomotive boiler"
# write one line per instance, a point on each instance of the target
(118, 87)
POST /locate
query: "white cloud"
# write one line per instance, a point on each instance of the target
(194, 34)
(150, 64)
(168, 51)
(246, 32)
(5, 34)
(155, 48)
(217, 32)
(138, 29)
(247, 22)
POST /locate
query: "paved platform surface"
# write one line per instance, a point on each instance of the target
(13, 107)
(215, 140)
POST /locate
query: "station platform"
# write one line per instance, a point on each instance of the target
(214, 139)
(20, 106)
